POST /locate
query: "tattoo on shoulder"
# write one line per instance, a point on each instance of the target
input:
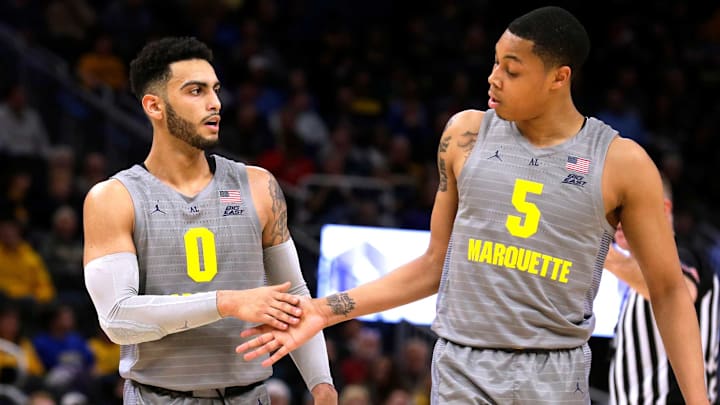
(444, 143)
(467, 142)
(279, 230)
(340, 303)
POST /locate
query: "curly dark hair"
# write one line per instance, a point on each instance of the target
(559, 38)
(152, 64)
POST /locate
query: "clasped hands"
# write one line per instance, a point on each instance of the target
(270, 305)
(276, 340)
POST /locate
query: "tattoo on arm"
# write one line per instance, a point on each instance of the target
(467, 142)
(340, 303)
(443, 175)
(442, 169)
(278, 228)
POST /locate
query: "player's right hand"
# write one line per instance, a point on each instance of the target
(270, 305)
(277, 342)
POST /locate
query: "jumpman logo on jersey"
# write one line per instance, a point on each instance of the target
(157, 209)
(496, 155)
(577, 387)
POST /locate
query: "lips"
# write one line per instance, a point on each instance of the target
(492, 101)
(213, 122)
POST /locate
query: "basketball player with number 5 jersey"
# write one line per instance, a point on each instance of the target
(530, 193)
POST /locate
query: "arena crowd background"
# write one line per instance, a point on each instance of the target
(344, 102)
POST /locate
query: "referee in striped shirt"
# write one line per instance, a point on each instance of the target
(640, 372)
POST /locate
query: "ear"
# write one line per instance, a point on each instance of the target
(153, 106)
(561, 77)
(668, 205)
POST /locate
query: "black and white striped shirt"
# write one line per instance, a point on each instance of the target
(639, 371)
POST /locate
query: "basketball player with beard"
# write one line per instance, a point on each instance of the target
(178, 249)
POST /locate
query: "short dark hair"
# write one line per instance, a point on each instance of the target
(559, 38)
(152, 64)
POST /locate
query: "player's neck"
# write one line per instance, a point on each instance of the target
(185, 169)
(552, 128)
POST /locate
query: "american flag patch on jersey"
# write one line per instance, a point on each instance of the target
(577, 164)
(230, 196)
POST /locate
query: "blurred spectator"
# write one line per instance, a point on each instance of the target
(287, 161)
(366, 210)
(62, 251)
(684, 99)
(23, 275)
(304, 121)
(11, 330)
(64, 352)
(278, 391)
(363, 99)
(409, 116)
(384, 379)
(60, 191)
(61, 157)
(129, 22)
(629, 83)
(100, 66)
(461, 96)
(74, 398)
(105, 373)
(400, 161)
(354, 394)
(342, 146)
(374, 146)
(365, 349)
(94, 170)
(16, 198)
(415, 366)
(420, 40)
(68, 23)
(48, 189)
(263, 70)
(334, 357)
(416, 202)
(399, 396)
(22, 131)
(245, 132)
(327, 202)
(623, 116)
(106, 354)
(41, 397)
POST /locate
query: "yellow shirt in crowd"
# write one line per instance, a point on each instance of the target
(23, 274)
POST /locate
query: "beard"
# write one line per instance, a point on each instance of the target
(185, 130)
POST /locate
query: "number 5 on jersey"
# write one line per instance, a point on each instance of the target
(514, 223)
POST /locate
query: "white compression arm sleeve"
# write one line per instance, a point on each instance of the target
(128, 318)
(281, 265)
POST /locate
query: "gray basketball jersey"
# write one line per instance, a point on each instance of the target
(528, 242)
(187, 245)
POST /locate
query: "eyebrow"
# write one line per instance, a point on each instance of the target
(512, 57)
(198, 83)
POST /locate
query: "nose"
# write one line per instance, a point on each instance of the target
(214, 104)
(492, 78)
